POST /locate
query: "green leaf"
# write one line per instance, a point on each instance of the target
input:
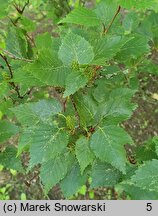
(25, 139)
(147, 151)
(83, 152)
(74, 48)
(108, 145)
(106, 10)
(43, 41)
(9, 160)
(7, 130)
(106, 85)
(27, 24)
(4, 89)
(111, 120)
(3, 8)
(31, 113)
(75, 80)
(48, 69)
(81, 16)
(110, 70)
(73, 181)
(130, 22)
(115, 103)
(150, 67)
(106, 48)
(55, 170)
(134, 48)
(137, 193)
(25, 79)
(155, 142)
(146, 177)
(47, 142)
(104, 175)
(130, 170)
(86, 107)
(4, 107)
(16, 42)
(56, 9)
(119, 103)
(46, 41)
(139, 4)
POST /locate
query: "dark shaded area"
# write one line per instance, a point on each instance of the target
(144, 122)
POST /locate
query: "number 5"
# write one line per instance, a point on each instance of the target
(149, 206)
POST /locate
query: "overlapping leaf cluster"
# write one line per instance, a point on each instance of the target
(88, 75)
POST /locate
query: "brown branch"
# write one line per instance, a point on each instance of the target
(25, 5)
(64, 105)
(30, 39)
(16, 88)
(8, 65)
(76, 111)
(17, 7)
(104, 28)
(28, 92)
(12, 56)
(21, 10)
(12, 21)
(113, 19)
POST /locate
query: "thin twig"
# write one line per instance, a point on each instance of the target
(104, 28)
(76, 111)
(31, 40)
(64, 105)
(26, 4)
(12, 21)
(21, 10)
(28, 92)
(8, 65)
(17, 8)
(12, 56)
(11, 76)
(113, 19)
